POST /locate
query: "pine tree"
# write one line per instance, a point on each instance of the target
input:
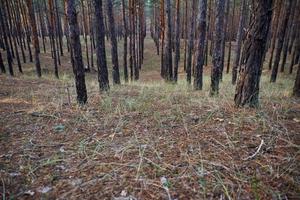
(114, 43)
(35, 37)
(217, 51)
(100, 47)
(198, 82)
(281, 36)
(247, 89)
(78, 68)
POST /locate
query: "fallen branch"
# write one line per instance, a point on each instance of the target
(257, 151)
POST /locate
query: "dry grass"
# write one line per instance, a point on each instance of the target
(145, 140)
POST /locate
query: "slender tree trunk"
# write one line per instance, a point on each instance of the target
(100, 47)
(281, 36)
(224, 36)
(191, 44)
(239, 42)
(4, 26)
(78, 68)
(114, 44)
(217, 51)
(274, 31)
(198, 82)
(35, 37)
(185, 34)
(51, 35)
(162, 32)
(125, 42)
(288, 36)
(296, 89)
(177, 41)
(230, 37)
(168, 48)
(85, 33)
(13, 35)
(247, 89)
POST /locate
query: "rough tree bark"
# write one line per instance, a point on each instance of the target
(247, 89)
(78, 68)
(114, 44)
(168, 61)
(281, 36)
(239, 42)
(217, 50)
(51, 35)
(198, 81)
(4, 26)
(100, 47)
(191, 44)
(177, 41)
(125, 42)
(35, 38)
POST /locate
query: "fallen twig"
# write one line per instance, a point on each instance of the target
(257, 151)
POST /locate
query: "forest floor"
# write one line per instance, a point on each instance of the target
(146, 140)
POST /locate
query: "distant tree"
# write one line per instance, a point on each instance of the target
(224, 37)
(198, 81)
(78, 68)
(296, 90)
(85, 34)
(114, 43)
(177, 41)
(231, 27)
(51, 27)
(168, 61)
(4, 28)
(125, 42)
(274, 30)
(100, 45)
(288, 35)
(185, 33)
(217, 51)
(191, 44)
(239, 42)
(13, 35)
(281, 36)
(247, 89)
(295, 51)
(35, 37)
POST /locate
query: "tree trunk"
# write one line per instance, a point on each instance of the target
(296, 89)
(198, 82)
(217, 51)
(247, 89)
(51, 35)
(191, 44)
(114, 44)
(274, 31)
(230, 37)
(4, 26)
(35, 38)
(168, 61)
(281, 36)
(288, 36)
(239, 42)
(100, 47)
(125, 42)
(78, 68)
(177, 41)
(224, 36)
